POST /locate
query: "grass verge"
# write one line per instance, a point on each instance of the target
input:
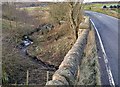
(89, 67)
(107, 11)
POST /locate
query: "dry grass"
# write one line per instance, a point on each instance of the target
(14, 64)
(50, 47)
(89, 67)
(54, 45)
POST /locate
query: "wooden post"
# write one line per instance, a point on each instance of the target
(27, 77)
(47, 76)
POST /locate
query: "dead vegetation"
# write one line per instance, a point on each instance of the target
(89, 67)
(50, 47)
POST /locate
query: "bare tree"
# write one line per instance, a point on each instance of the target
(72, 10)
(75, 14)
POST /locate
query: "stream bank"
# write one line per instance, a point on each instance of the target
(27, 41)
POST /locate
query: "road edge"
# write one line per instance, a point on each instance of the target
(111, 80)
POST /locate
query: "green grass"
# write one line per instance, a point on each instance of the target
(117, 10)
(98, 5)
(98, 8)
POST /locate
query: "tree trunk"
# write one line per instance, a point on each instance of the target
(76, 32)
(72, 22)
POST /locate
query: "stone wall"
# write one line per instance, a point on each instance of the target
(67, 72)
(68, 69)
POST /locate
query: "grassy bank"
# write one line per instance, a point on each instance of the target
(53, 45)
(14, 64)
(98, 8)
(50, 47)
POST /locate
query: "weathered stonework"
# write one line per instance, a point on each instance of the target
(68, 69)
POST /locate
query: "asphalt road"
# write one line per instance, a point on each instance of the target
(107, 27)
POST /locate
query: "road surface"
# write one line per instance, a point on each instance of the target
(107, 28)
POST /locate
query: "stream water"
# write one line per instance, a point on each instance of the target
(27, 41)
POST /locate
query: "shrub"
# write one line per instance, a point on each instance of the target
(111, 6)
(104, 6)
(115, 6)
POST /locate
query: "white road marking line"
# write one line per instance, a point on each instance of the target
(111, 80)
